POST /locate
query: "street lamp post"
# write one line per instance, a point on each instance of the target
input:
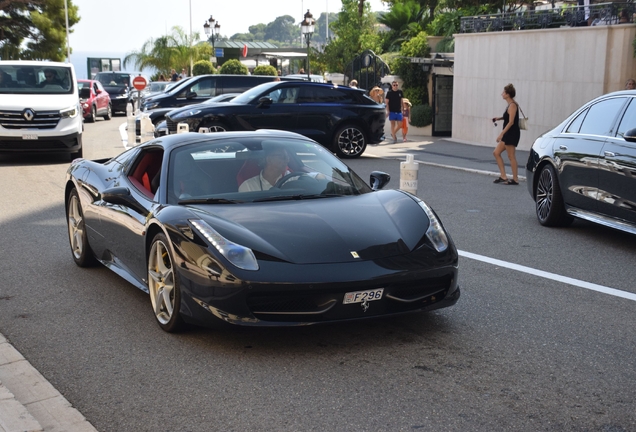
(307, 30)
(212, 30)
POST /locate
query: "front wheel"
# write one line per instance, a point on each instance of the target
(216, 126)
(81, 250)
(550, 207)
(93, 116)
(163, 285)
(349, 142)
(109, 112)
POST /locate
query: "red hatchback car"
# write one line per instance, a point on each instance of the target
(95, 100)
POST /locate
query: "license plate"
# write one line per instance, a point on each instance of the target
(29, 136)
(362, 296)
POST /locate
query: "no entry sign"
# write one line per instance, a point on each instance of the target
(140, 83)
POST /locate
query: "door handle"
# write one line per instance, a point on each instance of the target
(562, 147)
(609, 154)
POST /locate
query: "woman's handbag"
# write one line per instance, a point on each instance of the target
(523, 121)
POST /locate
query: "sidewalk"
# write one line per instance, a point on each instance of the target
(28, 402)
(446, 152)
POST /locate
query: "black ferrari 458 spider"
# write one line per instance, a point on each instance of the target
(257, 228)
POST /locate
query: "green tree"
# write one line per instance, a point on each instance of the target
(168, 52)
(405, 19)
(282, 29)
(265, 70)
(203, 67)
(234, 67)
(39, 23)
(354, 34)
(415, 79)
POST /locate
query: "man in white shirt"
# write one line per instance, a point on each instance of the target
(275, 167)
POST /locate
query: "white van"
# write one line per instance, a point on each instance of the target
(39, 108)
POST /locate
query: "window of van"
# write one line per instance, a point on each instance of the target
(45, 79)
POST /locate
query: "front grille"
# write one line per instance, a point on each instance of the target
(172, 126)
(40, 120)
(327, 304)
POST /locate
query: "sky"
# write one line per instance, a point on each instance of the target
(125, 25)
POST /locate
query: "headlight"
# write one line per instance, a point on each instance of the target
(151, 105)
(238, 255)
(435, 233)
(121, 96)
(84, 105)
(70, 112)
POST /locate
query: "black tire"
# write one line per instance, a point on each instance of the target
(91, 118)
(163, 285)
(78, 240)
(548, 199)
(78, 154)
(349, 142)
(215, 126)
(109, 112)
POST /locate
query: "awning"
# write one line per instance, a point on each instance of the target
(288, 54)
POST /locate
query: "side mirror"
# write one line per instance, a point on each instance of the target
(122, 196)
(99, 91)
(630, 135)
(379, 179)
(264, 101)
(191, 94)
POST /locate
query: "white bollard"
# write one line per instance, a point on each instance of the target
(147, 131)
(204, 130)
(130, 126)
(408, 175)
(182, 128)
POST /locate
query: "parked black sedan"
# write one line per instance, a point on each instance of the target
(197, 221)
(342, 119)
(586, 166)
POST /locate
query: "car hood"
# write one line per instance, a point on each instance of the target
(114, 90)
(199, 109)
(38, 102)
(372, 226)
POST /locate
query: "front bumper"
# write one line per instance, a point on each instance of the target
(64, 144)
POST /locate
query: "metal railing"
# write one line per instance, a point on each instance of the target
(572, 16)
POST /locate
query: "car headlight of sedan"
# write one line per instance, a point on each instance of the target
(435, 233)
(121, 96)
(70, 112)
(238, 255)
(150, 105)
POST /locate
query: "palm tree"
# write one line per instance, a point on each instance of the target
(173, 51)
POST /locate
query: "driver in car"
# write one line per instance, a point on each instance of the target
(275, 167)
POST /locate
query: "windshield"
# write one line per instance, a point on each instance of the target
(113, 79)
(247, 96)
(44, 79)
(255, 169)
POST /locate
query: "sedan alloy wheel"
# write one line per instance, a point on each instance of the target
(549, 201)
(82, 253)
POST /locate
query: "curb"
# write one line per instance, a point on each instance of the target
(28, 402)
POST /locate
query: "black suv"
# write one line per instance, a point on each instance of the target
(342, 119)
(119, 87)
(201, 88)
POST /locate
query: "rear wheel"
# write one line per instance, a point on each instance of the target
(163, 284)
(550, 207)
(349, 142)
(109, 112)
(81, 250)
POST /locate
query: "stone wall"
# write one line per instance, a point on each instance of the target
(554, 72)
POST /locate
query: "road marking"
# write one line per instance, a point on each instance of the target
(564, 279)
(124, 135)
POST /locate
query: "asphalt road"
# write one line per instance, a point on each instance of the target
(521, 351)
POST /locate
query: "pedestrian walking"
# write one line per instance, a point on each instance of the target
(377, 94)
(184, 73)
(174, 76)
(353, 84)
(508, 139)
(394, 109)
(406, 117)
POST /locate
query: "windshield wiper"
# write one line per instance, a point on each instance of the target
(208, 201)
(295, 197)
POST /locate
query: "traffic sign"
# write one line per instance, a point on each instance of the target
(218, 52)
(140, 82)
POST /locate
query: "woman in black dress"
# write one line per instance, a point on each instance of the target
(508, 139)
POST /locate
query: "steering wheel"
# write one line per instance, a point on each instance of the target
(284, 179)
